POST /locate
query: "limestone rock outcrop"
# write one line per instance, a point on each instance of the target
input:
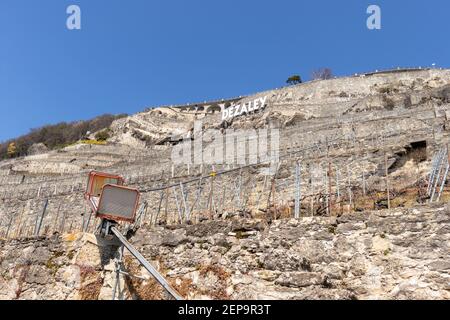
(358, 139)
(388, 254)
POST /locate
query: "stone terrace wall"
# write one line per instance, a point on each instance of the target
(397, 254)
(367, 125)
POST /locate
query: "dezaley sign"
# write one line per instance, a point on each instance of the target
(244, 108)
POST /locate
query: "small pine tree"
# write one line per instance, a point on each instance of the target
(294, 79)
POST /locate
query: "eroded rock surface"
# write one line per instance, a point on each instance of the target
(388, 254)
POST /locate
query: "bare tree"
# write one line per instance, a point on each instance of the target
(322, 74)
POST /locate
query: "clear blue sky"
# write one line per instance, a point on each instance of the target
(139, 53)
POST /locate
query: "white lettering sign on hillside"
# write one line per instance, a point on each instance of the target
(244, 108)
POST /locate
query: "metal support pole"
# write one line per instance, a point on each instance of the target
(437, 176)
(444, 179)
(224, 190)
(434, 169)
(312, 190)
(297, 190)
(210, 197)
(325, 184)
(273, 189)
(197, 197)
(159, 207)
(166, 204)
(178, 205)
(40, 219)
(86, 228)
(338, 192)
(146, 265)
(387, 181)
(19, 225)
(349, 187)
(186, 209)
(329, 179)
(430, 178)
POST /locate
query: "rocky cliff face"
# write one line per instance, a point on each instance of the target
(358, 139)
(378, 96)
(388, 254)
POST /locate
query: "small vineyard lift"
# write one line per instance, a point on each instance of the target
(114, 203)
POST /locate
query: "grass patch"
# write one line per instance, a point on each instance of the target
(142, 289)
(94, 142)
(219, 291)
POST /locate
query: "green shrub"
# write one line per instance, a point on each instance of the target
(294, 79)
(102, 135)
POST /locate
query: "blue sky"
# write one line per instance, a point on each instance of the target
(133, 54)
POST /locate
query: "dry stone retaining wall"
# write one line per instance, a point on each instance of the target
(397, 254)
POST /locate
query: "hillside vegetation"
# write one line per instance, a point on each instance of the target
(55, 136)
